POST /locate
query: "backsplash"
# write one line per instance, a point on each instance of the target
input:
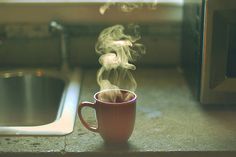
(27, 42)
(28, 45)
(162, 44)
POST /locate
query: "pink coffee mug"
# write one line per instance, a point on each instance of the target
(115, 119)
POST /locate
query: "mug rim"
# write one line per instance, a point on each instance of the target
(104, 102)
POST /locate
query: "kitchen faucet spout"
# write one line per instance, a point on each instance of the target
(55, 26)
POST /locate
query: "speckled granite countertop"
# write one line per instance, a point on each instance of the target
(169, 122)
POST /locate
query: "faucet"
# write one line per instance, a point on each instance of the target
(56, 27)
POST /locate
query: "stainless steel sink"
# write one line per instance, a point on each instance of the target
(38, 102)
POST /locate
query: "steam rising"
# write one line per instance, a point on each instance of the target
(128, 6)
(117, 51)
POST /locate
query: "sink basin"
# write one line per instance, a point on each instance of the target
(38, 102)
(29, 100)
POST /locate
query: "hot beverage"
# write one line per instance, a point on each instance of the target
(115, 119)
(115, 96)
(115, 107)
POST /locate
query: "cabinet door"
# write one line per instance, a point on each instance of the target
(218, 82)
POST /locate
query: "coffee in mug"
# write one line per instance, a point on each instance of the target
(115, 114)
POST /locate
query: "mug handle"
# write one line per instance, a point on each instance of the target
(86, 104)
